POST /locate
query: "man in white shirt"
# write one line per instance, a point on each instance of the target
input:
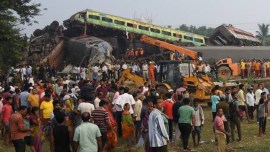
(119, 105)
(98, 99)
(95, 72)
(23, 72)
(116, 71)
(257, 99)
(86, 107)
(207, 68)
(145, 70)
(104, 72)
(250, 102)
(124, 66)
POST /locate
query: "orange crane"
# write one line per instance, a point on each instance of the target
(171, 47)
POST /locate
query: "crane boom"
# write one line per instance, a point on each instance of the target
(192, 54)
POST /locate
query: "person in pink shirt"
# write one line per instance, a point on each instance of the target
(220, 131)
(6, 113)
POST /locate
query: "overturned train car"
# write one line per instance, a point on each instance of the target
(227, 35)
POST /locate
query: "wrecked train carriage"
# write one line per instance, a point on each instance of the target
(107, 21)
(227, 35)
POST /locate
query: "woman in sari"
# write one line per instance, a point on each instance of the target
(127, 126)
(36, 125)
(111, 133)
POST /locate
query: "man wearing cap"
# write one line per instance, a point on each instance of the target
(225, 108)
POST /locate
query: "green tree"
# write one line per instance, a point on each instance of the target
(12, 14)
(263, 33)
(202, 30)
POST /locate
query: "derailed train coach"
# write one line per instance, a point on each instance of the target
(227, 35)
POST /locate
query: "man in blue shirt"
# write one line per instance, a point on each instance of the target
(158, 136)
(214, 100)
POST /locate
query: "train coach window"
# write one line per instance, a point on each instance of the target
(119, 22)
(143, 28)
(167, 33)
(188, 38)
(94, 17)
(131, 25)
(198, 40)
(155, 30)
(177, 35)
(107, 19)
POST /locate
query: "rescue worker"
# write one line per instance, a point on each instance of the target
(243, 68)
(152, 72)
(257, 68)
(248, 68)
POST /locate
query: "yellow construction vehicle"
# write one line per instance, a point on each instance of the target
(170, 77)
(128, 75)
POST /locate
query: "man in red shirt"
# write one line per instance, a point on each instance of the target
(103, 89)
(167, 109)
(18, 130)
(6, 113)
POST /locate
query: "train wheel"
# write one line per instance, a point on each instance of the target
(224, 72)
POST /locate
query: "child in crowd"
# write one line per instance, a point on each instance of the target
(127, 126)
(28, 139)
(199, 122)
(35, 123)
(6, 113)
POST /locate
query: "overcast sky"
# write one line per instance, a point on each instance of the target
(245, 14)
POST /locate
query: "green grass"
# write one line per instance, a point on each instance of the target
(250, 142)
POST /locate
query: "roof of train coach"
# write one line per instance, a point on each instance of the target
(235, 52)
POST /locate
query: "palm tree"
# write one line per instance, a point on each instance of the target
(263, 32)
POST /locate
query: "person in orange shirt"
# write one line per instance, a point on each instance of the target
(253, 64)
(257, 68)
(152, 72)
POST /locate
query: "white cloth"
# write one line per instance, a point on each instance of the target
(250, 99)
(95, 69)
(145, 67)
(104, 69)
(124, 66)
(137, 110)
(257, 96)
(86, 107)
(122, 100)
(199, 116)
(96, 102)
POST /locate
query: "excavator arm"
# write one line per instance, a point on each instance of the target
(127, 75)
(192, 54)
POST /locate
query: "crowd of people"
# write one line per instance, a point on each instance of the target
(228, 110)
(255, 68)
(99, 114)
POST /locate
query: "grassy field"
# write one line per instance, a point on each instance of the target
(250, 142)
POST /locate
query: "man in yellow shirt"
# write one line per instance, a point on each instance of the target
(33, 98)
(46, 108)
(268, 68)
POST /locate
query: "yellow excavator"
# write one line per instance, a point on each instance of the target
(170, 77)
